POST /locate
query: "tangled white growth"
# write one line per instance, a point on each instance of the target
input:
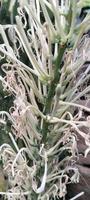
(41, 169)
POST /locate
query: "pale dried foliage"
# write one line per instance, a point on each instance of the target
(38, 168)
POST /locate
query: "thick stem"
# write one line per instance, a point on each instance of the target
(52, 87)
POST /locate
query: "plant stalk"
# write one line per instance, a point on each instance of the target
(51, 92)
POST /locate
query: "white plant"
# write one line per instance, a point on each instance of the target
(46, 92)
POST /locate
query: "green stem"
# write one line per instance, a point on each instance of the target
(52, 87)
(74, 9)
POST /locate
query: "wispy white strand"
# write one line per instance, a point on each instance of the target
(9, 49)
(15, 193)
(14, 59)
(17, 156)
(14, 142)
(77, 196)
(21, 159)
